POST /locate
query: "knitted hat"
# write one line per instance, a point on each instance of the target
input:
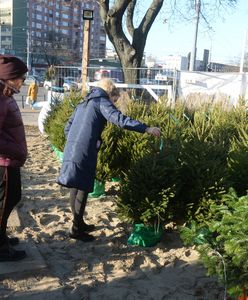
(11, 67)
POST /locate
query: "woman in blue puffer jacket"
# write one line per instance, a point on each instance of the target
(83, 132)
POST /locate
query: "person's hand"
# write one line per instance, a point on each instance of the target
(153, 131)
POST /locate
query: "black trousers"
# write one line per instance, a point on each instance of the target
(78, 200)
(10, 195)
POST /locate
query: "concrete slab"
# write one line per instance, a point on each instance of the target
(33, 264)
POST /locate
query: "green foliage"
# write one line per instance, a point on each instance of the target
(110, 158)
(201, 171)
(224, 248)
(200, 155)
(58, 117)
(144, 195)
(238, 162)
(195, 234)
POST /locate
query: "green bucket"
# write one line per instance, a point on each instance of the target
(115, 179)
(99, 189)
(59, 154)
(145, 236)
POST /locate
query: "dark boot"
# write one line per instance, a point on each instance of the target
(79, 228)
(7, 253)
(76, 232)
(87, 227)
(13, 241)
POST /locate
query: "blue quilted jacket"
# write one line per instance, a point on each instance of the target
(83, 132)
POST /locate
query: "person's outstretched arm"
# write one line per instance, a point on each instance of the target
(113, 115)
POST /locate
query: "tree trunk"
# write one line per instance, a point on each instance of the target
(131, 67)
(131, 52)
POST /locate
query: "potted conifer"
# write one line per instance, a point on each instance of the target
(145, 193)
(223, 247)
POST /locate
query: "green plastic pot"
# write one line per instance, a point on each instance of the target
(99, 189)
(59, 154)
(115, 179)
(145, 236)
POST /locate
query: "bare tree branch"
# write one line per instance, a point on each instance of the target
(130, 15)
(150, 16)
(104, 4)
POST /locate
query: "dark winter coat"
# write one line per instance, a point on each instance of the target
(83, 132)
(13, 145)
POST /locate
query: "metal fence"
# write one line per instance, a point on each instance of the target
(157, 81)
(147, 75)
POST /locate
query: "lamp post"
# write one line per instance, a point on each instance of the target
(87, 17)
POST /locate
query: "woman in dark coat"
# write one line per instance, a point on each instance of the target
(83, 132)
(13, 150)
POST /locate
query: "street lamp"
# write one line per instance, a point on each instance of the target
(27, 33)
(88, 14)
(87, 17)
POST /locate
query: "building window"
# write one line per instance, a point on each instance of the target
(39, 8)
(65, 16)
(6, 39)
(66, 24)
(6, 28)
(39, 17)
(65, 31)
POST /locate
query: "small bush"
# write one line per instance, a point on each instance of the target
(58, 117)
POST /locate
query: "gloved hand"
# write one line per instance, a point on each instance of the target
(153, 131)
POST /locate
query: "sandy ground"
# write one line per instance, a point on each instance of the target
(107, 268)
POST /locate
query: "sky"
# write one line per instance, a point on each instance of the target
(225, 41)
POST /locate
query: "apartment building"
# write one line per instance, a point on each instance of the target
(48, 31)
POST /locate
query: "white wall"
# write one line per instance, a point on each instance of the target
(176, 62)
(232, 85)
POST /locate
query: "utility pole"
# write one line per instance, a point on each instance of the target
(28, 51)
(87, 17)
(241, 70)
(193, 54)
